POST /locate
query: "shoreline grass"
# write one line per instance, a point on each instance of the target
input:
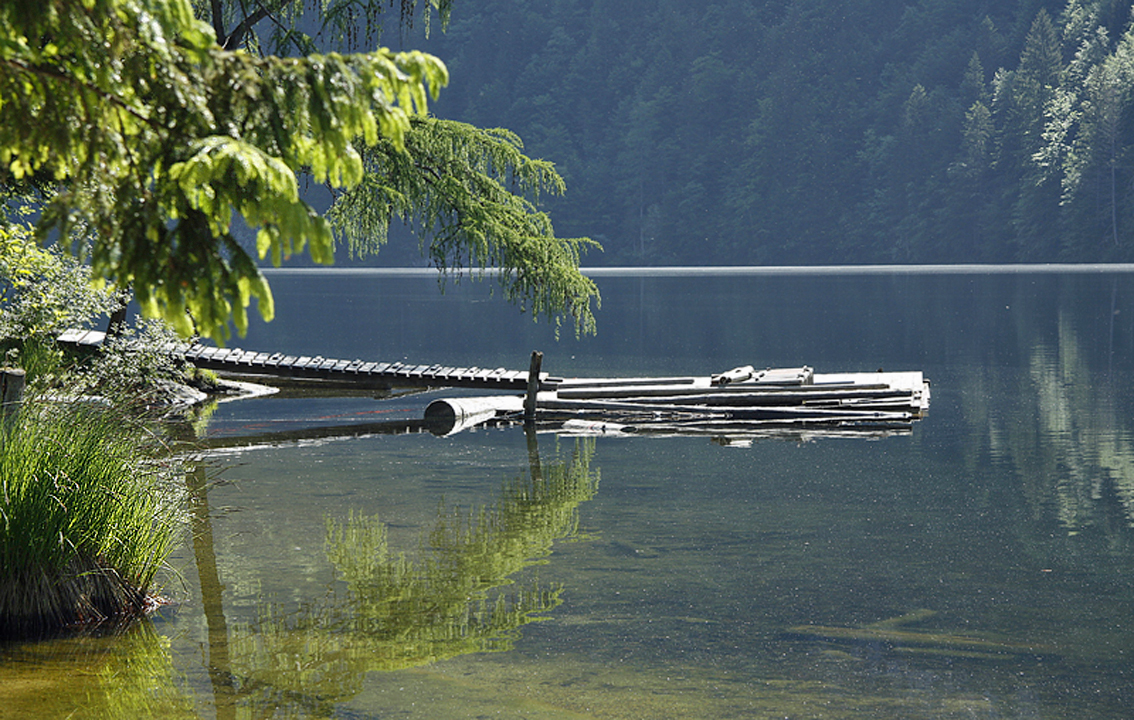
(87, 515)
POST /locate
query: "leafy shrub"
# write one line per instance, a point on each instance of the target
(131, 368)
(44, 291)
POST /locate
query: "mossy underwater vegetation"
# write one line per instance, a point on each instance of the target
(88, 511)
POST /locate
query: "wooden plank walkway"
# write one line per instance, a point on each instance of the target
(773, 397)
(355, 373)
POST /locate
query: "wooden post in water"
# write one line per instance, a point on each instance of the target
(117, 322)
(533, 387)
(12, 382)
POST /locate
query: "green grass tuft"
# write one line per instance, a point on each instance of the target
(87, 514)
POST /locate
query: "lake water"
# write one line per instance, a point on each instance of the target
(980, 566)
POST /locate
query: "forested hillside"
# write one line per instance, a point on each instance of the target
(814, 131)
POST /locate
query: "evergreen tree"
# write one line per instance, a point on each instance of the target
(157, 136)
(964, 218)
(776, 131)
(1091, 134)
(1035, 214)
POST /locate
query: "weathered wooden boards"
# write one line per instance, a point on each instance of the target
(356, 373)
(767, 395)
(734, 403)
(766, 403)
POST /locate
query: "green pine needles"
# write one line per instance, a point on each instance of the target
(159, 139)
(472, 194)
(159, 136)
(86, 517)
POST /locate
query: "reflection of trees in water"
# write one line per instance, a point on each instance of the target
(140, 681)
(393, 612)
(1076, 455)
(124, 673)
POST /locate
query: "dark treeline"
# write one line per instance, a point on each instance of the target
(814, 131)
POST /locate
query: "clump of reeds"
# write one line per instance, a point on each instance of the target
(86, 516)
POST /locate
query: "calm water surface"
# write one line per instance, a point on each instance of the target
(980, 566)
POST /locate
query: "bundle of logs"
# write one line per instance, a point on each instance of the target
(739, 400)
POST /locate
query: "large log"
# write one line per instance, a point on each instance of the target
(732, 395)
(747, 412)
(449, 415)
(584, 383)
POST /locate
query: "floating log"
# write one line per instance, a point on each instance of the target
(698, 396)
(751, 412)
(585, 383)
(451, 415)
(644, 388)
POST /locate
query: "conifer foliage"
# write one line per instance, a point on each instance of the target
(733, 132)
(467, 190)
(159, 140)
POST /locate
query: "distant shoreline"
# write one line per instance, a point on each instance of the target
(729, 270)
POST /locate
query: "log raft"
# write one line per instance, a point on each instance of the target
(759, 403)
(744, 397)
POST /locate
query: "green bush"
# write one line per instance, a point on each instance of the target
(131, 368)
(39, 357)
(44, 291)
(87, 514)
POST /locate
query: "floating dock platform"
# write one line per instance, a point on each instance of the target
(741, 401)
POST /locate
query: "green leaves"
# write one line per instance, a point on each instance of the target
(161, 139)
(41, 291)
(471, 194)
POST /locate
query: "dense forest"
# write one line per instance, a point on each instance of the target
(813, 131)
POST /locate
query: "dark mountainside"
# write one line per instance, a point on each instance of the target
(813, 131)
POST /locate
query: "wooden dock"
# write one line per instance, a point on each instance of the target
(331, 371)
(738, 403)
(743, 400)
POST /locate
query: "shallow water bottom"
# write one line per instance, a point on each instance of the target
(567, 688)
(131, 676)
(691, 581)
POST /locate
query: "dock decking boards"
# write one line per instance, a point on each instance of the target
(770, 399)
(354, 372)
